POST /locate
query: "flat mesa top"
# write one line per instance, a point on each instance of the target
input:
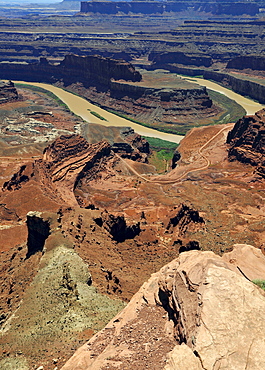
(162, 79)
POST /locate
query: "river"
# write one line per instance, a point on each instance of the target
(83, 108)
(249, 105)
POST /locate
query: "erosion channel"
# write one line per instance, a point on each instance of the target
(83, 108)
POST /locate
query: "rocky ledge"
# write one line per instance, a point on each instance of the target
(8, 92)
(91, 70)
(200, 311)
(247, 141)
(70, 158)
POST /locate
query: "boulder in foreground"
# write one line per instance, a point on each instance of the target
(200, 311)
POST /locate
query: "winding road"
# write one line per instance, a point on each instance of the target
(177, 179)
(83, 108)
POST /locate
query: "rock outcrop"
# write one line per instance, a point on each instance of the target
(199, 311)
(102, 81)
(133, 147)
(159, 59)
(254, 62)
(247, 141)
(117, 226)
(243, 86)
(184, 218)
(153, 7)
(89, 70)
(66, 161)
(8, 92)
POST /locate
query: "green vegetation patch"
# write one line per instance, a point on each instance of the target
(162, 153)
(260, 283)
(98, 116)
(158, 144)
(233, 110)
(43, 91)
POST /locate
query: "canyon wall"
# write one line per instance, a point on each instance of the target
(255, 62)
(152, 7)
(159, 58)
(8, 92)
(242, 86)
(89, 69)
(93, 77)
(247, 142)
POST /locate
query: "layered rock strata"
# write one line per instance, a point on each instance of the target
(8, 92)
(102, 81)
(247, 141)
(89, 69)
(254, 62)
(159, 59)
(69, 159)
(147, 7)
(190, 313)
(64, 162)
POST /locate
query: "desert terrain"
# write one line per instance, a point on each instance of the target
(123, 243)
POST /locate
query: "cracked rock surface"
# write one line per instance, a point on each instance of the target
(200, 311)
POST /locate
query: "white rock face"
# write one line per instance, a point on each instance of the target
(200, 311)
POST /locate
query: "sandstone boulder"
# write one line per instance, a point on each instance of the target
(197, 312)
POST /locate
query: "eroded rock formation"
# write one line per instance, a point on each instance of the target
(255, 62)
(190, 313)
(247, 141)
(89, 70)
(102, 81)
(153, 7)
(65, 161)
(160, 59)
(8, 92)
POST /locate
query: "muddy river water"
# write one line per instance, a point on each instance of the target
(83, 108)
(249, 105)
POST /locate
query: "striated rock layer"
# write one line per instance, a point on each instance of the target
(254, 62)
(8, 92)
(200, 311)
(89, 69)
(247, 141)
(102, 81)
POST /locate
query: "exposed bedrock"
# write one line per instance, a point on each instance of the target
(117, 226)
(188, 315)
(247, 141)
(70, 158)
(8, 92)
(73, 68)
(242, 86)
(147, 104)
(159, 58)
(254, 90)
(94, 78)
(255, 62)
(152, 7)
(38, 231)
(185, 219)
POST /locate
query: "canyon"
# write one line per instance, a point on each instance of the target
(158, 99)
(103, 208)
(120, 251)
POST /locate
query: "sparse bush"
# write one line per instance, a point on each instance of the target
(98, 115)
(260, 283)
